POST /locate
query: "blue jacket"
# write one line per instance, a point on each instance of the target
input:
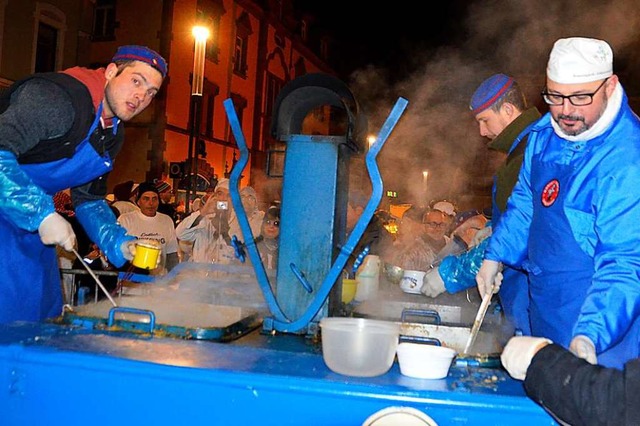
(602, 206)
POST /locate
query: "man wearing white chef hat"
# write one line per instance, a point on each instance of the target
(573, 219)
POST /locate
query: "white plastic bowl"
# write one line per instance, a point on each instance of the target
(358, 346)
(424, 361)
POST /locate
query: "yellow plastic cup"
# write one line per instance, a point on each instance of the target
(349, 288)
(147, 252)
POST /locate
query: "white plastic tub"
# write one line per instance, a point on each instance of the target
(358, 346)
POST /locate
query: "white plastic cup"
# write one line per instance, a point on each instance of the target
(411, 281)
(147, 254)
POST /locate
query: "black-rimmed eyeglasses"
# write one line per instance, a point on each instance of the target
(440, 225)
(275, 223)
(580, 99)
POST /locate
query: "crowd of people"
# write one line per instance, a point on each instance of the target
(205, 235)
(560, 247)
(148, 211)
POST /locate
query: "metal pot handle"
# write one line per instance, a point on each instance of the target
(421, 339)
(124, 309)
(424, 313)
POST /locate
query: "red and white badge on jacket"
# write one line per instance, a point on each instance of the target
(550, 192)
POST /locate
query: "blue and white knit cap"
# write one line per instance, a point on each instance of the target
(489, 92)
(142, 54)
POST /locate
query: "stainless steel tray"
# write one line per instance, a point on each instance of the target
(391, 301)
(194, 301)
(166, 319)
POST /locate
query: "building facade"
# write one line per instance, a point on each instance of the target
(254, 49)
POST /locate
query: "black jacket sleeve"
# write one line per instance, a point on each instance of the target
(578, 393)
(38, 110)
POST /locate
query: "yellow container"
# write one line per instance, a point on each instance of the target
(147, 253)
(349, 288)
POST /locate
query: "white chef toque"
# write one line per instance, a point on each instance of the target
(579, 60)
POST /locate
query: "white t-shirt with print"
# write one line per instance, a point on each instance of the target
(159, 227)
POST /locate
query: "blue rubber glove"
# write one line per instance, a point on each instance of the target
(97, 218)
(459, 272)
(22, 202)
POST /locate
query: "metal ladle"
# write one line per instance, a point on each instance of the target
(486, 300)
(95, 277)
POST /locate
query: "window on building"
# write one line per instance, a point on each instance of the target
(104, 20)
(209, 93)
(243, 31)
(49, 35)
(240, 56)
(274, 84)
(46, 48)
(3, 5)
(239, 105)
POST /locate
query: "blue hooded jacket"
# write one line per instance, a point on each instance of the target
(602, 207)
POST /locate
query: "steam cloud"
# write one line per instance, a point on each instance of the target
(437, 132)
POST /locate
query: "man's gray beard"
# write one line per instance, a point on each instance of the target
(576, 132)
(586, 126)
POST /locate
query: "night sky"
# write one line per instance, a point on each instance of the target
(385, 36)
(438, 57)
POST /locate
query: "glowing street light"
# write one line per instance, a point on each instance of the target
(425, 177)
(201, 34)
(371, 139)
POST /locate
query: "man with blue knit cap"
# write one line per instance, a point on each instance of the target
(573, 219)
(500, 108)
(63, 130)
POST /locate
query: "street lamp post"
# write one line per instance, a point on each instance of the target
(200, 34)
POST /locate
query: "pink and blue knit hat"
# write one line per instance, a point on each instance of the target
(142, 54)
(489, 92)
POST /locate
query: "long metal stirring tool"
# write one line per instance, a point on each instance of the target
(95, 277)
(482, 311)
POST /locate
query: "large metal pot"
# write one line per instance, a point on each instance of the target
(417, 325)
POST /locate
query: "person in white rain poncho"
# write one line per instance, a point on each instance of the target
(212, 227)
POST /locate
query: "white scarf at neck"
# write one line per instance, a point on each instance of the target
(603, 123)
